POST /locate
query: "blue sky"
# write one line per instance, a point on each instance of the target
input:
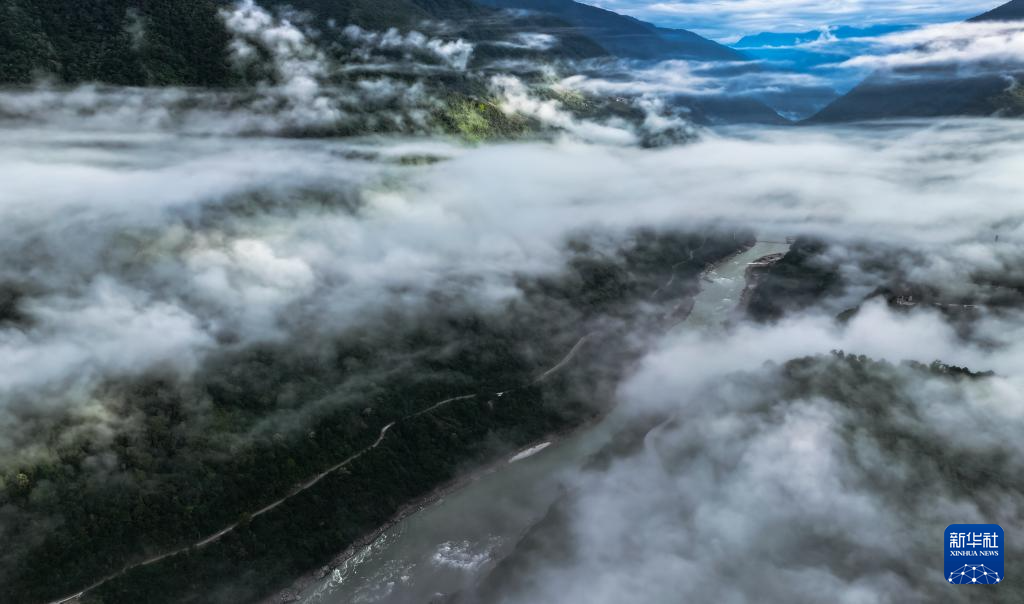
(727, 20)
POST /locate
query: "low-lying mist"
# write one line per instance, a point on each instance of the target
(212, 290)
(213, 240)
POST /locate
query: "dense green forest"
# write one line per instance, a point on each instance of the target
(813, 272)
(188, 43)
(803, 277)
(128, 42)
(185, 42)
(196, 455)
(191, 43)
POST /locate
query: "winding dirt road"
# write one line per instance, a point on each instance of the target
(304, 486)
(301, 487)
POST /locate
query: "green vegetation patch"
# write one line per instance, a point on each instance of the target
(477, 120)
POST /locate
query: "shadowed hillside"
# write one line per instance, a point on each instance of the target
(184, 42)
(924, 93)
(100, 40)
(1011, 11)
(624, 36)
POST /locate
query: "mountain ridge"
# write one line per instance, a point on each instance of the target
(625, 36)
(881, 97)
(186, 43)
(1011, 11)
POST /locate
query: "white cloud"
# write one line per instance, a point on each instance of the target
(726, 18)
(108, 330)
(967, 47)
(136, 250)
(516, 98)
(530, 41)
(690, 78)
(749, 492)
(455, 53)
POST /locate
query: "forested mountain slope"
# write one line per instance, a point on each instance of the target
(625, 36)
(185, 42)
(101, 40)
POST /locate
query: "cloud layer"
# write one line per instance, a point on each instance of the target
(131, 246)
(965, 48)
(824, 479)
(725, 19)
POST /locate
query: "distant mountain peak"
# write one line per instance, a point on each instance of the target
(1011, 11)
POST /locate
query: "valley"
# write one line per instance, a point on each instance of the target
(506, 301)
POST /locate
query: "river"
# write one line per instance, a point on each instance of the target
(446, 546)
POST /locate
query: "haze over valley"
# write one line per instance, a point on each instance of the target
(510, 301)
